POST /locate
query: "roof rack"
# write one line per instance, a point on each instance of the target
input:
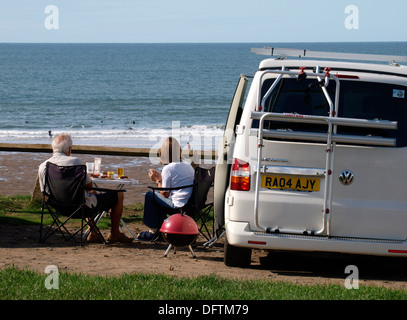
(282, 53)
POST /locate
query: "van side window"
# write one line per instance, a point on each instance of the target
(370, 100)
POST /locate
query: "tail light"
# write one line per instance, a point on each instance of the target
(240, 178)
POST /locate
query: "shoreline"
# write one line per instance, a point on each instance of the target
(152, 153)
(208, 145)
(199, 137)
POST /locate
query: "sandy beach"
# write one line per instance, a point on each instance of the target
(19, 246)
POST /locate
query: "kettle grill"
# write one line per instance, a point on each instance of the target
(179, 230)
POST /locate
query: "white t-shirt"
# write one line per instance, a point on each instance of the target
(178, 174)
(62, 159)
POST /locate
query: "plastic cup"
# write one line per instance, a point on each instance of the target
(90, 167)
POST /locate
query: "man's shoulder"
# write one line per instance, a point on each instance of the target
(63, 160)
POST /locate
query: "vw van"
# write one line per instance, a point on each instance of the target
(314, 157)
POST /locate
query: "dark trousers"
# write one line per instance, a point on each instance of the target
(156, 209)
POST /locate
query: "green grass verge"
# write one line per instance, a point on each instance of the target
(18, 284)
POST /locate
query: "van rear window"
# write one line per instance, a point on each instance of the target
(357, 99)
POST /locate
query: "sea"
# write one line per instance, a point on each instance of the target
(132, 95)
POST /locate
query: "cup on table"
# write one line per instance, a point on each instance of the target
(98, 162)
(90, 167)
(120, 172)
(110, 174)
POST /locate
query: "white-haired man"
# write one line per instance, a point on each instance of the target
(62, 147)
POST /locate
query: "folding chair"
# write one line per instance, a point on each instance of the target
(196, 207)
(64, 199)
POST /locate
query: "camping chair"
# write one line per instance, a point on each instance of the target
(64, 199)
(196, 207)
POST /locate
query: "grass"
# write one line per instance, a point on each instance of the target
(19, 210)
(21, 284)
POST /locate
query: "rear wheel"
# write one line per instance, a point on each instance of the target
(236, 256)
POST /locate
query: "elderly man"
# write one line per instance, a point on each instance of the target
(61, 146)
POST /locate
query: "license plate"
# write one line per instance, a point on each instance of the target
(290, 183)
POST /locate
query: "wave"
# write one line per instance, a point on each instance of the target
(199, 137)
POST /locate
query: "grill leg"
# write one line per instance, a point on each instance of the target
(192, 251)
(168, 250)
(175, 251)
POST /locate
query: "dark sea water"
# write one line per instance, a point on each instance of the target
(130, 94)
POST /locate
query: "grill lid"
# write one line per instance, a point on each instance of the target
(180, 224)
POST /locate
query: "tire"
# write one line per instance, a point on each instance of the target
(236, 256)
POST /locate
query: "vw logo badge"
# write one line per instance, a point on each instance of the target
(346, 177)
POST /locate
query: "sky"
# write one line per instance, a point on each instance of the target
(175, 21)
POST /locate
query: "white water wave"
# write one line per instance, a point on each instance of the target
(197, 136)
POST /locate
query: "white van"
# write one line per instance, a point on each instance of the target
(315, 159)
